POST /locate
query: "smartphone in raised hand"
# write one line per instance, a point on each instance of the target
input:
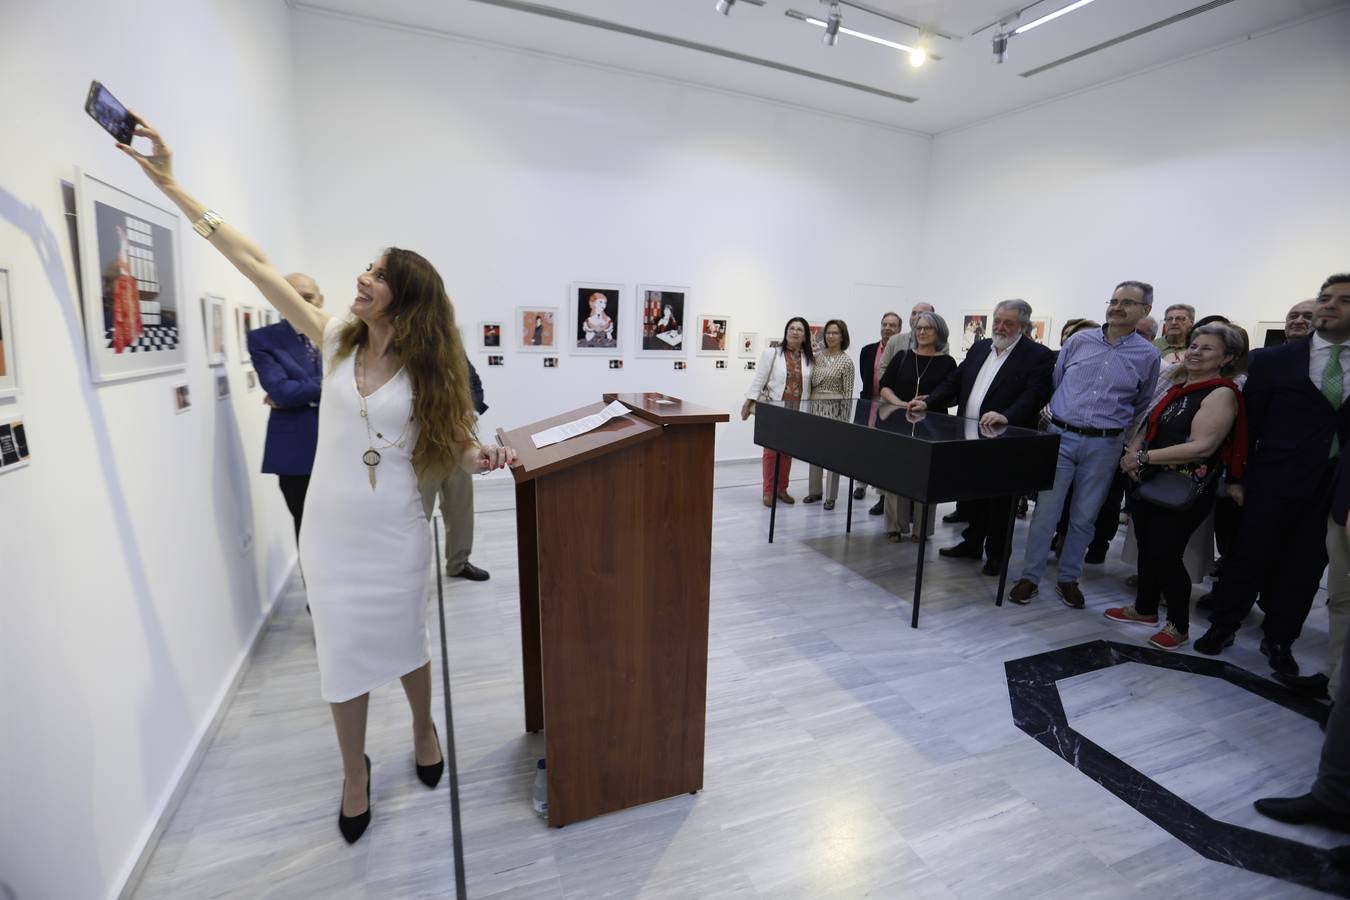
(108, 111)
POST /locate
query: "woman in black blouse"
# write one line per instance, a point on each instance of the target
(913, 374)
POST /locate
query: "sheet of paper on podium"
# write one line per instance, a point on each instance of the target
(567, 430)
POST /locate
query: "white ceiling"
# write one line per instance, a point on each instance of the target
(965, 86)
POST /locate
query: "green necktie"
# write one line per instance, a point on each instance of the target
(1333, 386)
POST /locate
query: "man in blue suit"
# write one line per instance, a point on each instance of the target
(1004, 380)
(291, 371)
(1298, 421)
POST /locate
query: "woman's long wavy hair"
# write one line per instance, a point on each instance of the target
(427, 340)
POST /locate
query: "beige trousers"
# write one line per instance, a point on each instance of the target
(816, 480)
(457, 514)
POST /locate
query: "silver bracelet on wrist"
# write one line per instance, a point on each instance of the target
(208, 223)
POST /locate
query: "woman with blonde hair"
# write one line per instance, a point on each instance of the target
(394, 419)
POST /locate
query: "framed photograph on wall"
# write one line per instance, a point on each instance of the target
(747, 345)
(974, 327)
(245, 320)
(660, 320)
(213, 321)
(13, 444)
(596, 319)
(182, 398)
(489, 336)
(250, 379)
(1267, 334)
(538, 329)
(714, 334)
(1040, 330)
(129, 262)
(817, 330)
(9, 366)
(222, 386)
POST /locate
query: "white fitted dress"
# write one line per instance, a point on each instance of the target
(365, 553)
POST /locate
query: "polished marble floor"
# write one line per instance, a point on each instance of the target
(847, 755)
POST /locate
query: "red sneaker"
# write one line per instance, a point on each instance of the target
(1130, 616)
(1169, 638)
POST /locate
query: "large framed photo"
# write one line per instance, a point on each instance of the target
(9, 366)
(129, 262)
(661, 329)
(596, 312)
(213, 318)
(13, 444)
(974, 327)
(245, 320)
(538, 329)
(714, 333)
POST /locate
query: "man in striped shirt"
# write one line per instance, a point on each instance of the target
(1103, 382)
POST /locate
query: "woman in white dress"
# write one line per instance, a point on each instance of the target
(394, 418)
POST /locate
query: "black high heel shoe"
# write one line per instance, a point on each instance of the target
(352, 827)
(431, 775)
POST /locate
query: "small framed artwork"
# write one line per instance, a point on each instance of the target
(129, 264)
(13, 444)
(747, 345)
(9, 367)
(661, 326)
(721, 363)
(974, 327)
(679, 365)
(750, 366)
(213, 320)
(1040, 329)
(251, 379)
(817, 330)
(1267, 334)
(616, 364)
(538, 329)
(596, 319)
(489, 335)
(222, 387)
(245, 320)
(182, 398)
(496, 360)
(550, 362)
(714, 331)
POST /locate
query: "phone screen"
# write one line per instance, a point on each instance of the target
(111, 114)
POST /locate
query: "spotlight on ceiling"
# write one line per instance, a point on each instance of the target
(832, 25)
(724, 6)
(917, 57)
(1000, 47)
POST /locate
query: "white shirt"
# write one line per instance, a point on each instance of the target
(992, 363)
(1319, 354)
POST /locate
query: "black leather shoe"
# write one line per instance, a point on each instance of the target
(1214, 640)
(860, 493)
(431, 775)
(952, 518)
(963, 550)
(1305, 810)
(1281, 657)
(471, 572)
(990, 568)
(877, 508)
(352, 827)
(1313, 687)
(1095, 556)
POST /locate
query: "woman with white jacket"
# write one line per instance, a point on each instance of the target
(783, 373)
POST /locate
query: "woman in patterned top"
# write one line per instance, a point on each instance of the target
(832, 383)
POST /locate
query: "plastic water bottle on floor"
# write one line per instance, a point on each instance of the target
(540, 789)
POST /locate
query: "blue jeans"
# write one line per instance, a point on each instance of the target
(1086, 464)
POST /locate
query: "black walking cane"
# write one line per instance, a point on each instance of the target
(450, 763)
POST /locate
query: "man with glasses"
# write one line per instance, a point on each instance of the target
(1176, 332)
(1103, 382)
(1297, 421)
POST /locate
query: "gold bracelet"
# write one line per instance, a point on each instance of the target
(208, 223)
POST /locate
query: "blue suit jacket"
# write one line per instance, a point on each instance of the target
(292, 376)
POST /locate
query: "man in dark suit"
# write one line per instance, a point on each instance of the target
(291, 372)
(1297, 422)
(869, 367)
(457, 506)
(1004, 380)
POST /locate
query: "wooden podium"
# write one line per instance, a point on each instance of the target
(615, 542)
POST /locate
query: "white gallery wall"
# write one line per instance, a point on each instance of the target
(1219, 179)
(516, 174)
(127, 601)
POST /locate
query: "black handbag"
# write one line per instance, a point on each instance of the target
(1172, 488)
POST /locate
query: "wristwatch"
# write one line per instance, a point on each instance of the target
(1141, 457)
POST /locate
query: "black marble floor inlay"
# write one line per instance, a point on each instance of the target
(1038, 710)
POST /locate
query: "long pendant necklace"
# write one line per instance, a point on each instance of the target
(918, 376)
(371, 457)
